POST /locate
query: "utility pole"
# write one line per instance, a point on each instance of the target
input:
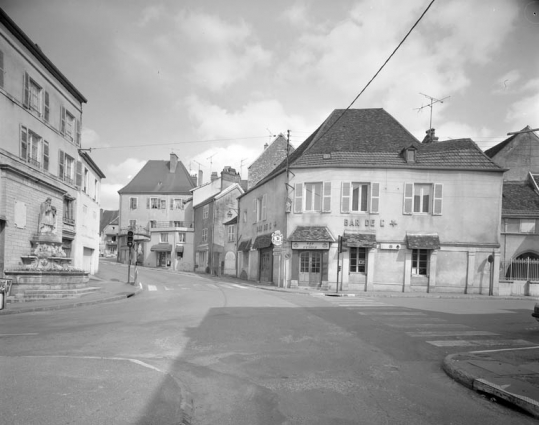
(433, 100)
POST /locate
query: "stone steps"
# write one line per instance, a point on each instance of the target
(53, 294)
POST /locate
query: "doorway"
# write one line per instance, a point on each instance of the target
(310, 268)
(266, 264)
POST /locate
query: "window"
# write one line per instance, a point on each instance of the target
(163, 204)
(360, 197)
(69, 126)
(66, 167)
(176, 204)
(357, 259)
(205, 211)
(153, 224)
(422, 198)
(133, 203)
(34, 149)
(181, 237)
(164, 237)
(312, 197)
(260, 208)
(154, 203)
(132, 224)
(204, 235)
(86, 181)
(69, 217)
(420, 262)
(521, 225)
(231, 233)
(32, 94)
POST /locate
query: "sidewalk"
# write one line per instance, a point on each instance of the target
(108, 291)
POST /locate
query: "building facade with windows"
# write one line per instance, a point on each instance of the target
(40, 155)
(155, 206)
(401, 207)
(108, 233)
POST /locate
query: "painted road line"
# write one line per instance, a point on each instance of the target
(430, 334)
(481, 342)
(428, 325)
(168, 289)
(28, 334)
(393, 313)
(152, 288)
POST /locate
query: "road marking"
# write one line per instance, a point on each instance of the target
(392, 313)
(428, 334)
(242, 287)
(427, 325)
(28, 334)
(481, 342)
(168, 289)
(152, 288)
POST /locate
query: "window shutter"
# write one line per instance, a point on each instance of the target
(172, 204)
(77, 123)
(78, 180)
(62, 120)
(61, 164)
(326, 204)
(408, 198)
(46, 155)
(298, 197)
(24, 143)
(148, 203)
(437, 207)
(264, 204)
(26, 90)
(345, 197)
(1, 68)
(255, 202)
(375, 198)
(47, 107)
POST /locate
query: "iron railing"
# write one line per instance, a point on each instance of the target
(520, 269)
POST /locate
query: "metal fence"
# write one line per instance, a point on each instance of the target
(521, 269)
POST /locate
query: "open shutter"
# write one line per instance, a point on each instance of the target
(255, 215)
(298, 197)
(345, 197)
(46, 106)
(172, 204)
(437, 206)
(326, 204)
(78, 179)
(1, 69)
(375, 198)
(62, 120)
(61, 164)
(46, 155)
(26, 90)
(77, 123)
(408, 198)
(264, 205)
(148, 203)
(24, 143)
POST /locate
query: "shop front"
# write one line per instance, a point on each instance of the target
(359, 246)
(162, 253)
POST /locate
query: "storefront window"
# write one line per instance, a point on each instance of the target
(357, 260)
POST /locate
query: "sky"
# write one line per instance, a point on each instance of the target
(213, 81)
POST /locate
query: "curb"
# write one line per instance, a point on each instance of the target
(71, 305)
(483, 386)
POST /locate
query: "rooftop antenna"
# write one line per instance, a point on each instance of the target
(211, 160)
(270, 134)
(433, 100)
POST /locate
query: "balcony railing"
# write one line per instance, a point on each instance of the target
(169, 224)
(137, 230)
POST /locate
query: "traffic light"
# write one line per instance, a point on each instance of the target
(342, 240)
(130, 239)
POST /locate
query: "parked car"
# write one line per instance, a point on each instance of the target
(536, 312)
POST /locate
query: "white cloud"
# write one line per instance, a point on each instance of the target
(110, 199)
(150, 13)
(526, 110)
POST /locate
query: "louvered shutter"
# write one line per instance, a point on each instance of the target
(24, 143)
(375, 198)
(46, 155)
(326, 204)
(255, 214)
(1, 68)
(47, 107)
(408, 198)
(78, 124)
(26, 90)
(298, 197)
(78, 179)
(437, 205)
(172, 204)
(62, 120)
(264, 205)
(148, 203)
(345, 197)
(61, 165)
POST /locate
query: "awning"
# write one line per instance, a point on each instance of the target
(161, 247)
(262, 241)
(423, 241)
(360, 240)
(245, 245)
(311, 234)
(179, 248)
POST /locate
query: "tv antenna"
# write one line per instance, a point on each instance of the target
(211, 160)
(270, 135)
(433, 100)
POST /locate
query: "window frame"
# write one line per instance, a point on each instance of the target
(420, 262)
(204, 235)
(205, 211)
(163, 237)
(355, 259)
(231, 231)
(435, 201)
(133, 203)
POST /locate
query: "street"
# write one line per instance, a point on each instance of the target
(236, 354)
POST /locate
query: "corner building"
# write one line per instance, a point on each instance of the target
(414, 216)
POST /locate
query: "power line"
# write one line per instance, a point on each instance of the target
(382, 67)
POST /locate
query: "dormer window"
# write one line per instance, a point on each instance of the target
(410, 155)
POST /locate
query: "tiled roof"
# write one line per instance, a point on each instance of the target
(311, 234)
(245, 245)
(155, 177)
(423, 240)
(262, 241)
(519, 198)
(359, 239)
(107, 217)
(497, 148)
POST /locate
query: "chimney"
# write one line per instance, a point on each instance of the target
(173, 162)
(214, 176)
(194, 178)
(199, 181)
(430, 137)
(229, 176)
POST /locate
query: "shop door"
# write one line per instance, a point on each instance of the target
(310, 268)
(161, 259)
(266, 256)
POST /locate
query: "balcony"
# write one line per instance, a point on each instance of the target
(170, 225)
(139, 232)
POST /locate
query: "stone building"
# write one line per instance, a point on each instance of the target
(271, 157)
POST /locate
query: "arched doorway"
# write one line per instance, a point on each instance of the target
(524, 266)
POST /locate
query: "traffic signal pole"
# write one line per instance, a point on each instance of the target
(129, 245)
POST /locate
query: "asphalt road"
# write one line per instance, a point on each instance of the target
(233, 354)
